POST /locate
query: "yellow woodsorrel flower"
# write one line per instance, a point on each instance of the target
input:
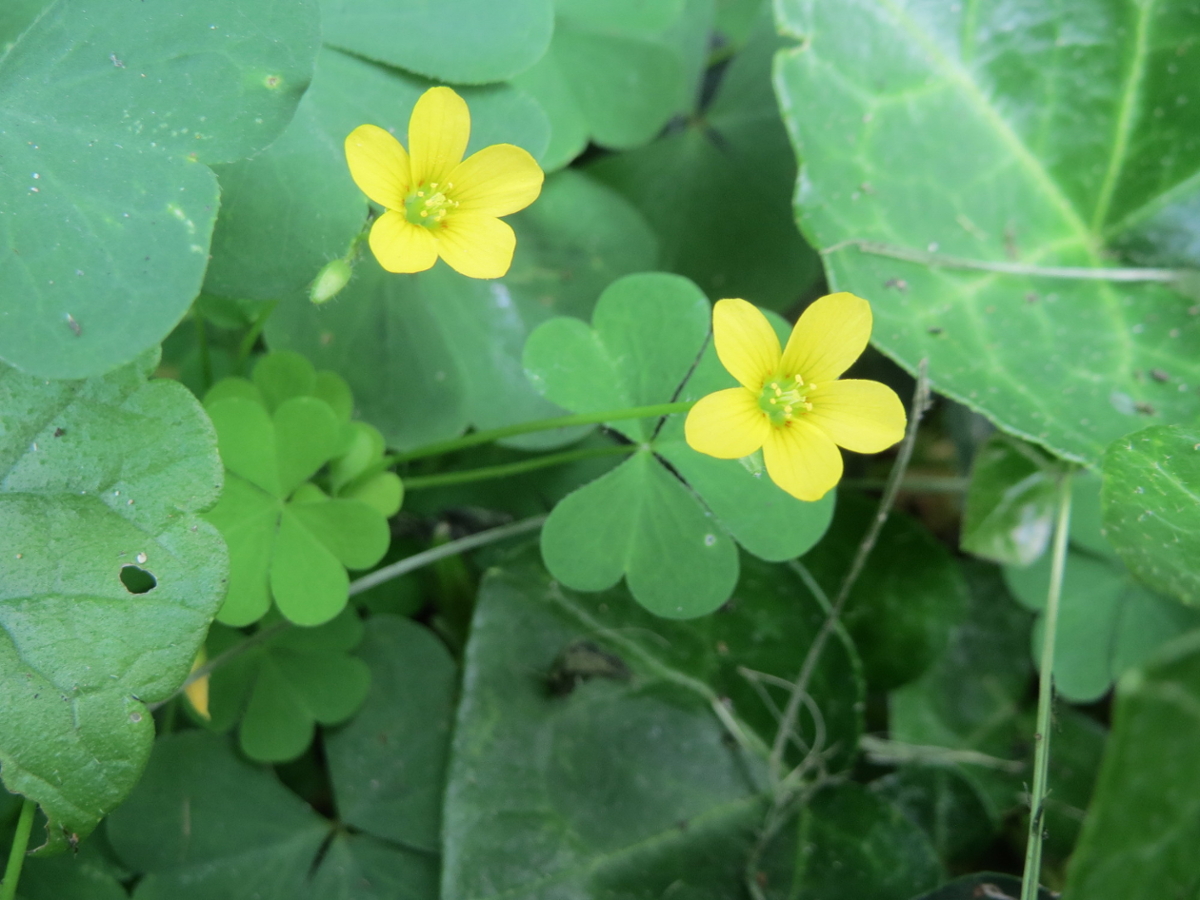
(790, 402)
(436, 202)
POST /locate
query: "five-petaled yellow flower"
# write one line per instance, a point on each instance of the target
(791, 403)
(437, 203)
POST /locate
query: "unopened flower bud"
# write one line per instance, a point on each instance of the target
(330, 281)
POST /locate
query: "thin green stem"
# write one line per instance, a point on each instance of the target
(937, 260)
(442, 479)
(476, 438)
(453, 548)
(800, 689)
(206, 372)
(251, 336)
(929, 484)
(16, 855)
(1041, 756)
(379, 576)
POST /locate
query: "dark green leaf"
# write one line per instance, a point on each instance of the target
(1152, 508)
(847, 844)
(1077, 743)
(983, 884)
(277, 691)
(1140, 836)
(964, 130)
(946, 805)
(359, 867)
(108, 116)
(970, 698)
(619, 786)
(95, 476)
(203, 825)
(616, 71)
(388, 763)
(907, 600)
(718, 192)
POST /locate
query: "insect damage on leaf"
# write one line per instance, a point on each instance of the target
(582, 660)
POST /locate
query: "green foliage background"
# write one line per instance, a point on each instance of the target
(196, 462)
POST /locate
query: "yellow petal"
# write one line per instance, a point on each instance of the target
(746, 343)
(496, 181)
(437, 135)
(727, 424)
(802, 460)
(478, 246)
(197, 691)
(401, 246)
(830, 336)
(378, 165)
(863, 416)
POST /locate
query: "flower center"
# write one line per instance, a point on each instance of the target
(428, 205)
(783, 398)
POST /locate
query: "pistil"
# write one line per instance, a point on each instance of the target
(783, 398)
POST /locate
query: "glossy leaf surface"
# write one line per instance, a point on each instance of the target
(1151, 499)
(970, 131)
(109, 116)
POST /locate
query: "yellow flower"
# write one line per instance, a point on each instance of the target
(437, 203)
(790, 402)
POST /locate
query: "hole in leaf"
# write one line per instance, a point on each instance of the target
(137, 580)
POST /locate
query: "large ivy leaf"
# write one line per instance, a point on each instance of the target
(430, 353)
(586, 731)
(205, 825)
(1142, 829)
(973, 132)
(616, 71)
(292, 208)
(1151, 498)
(725, 175)
(108, 115)
(100, 485)
(462, 41)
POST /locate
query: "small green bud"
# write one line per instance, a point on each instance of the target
(330, 281)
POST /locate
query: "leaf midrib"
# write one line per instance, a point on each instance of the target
(1125, 114)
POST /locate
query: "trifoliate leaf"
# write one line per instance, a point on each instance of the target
(278, 691)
